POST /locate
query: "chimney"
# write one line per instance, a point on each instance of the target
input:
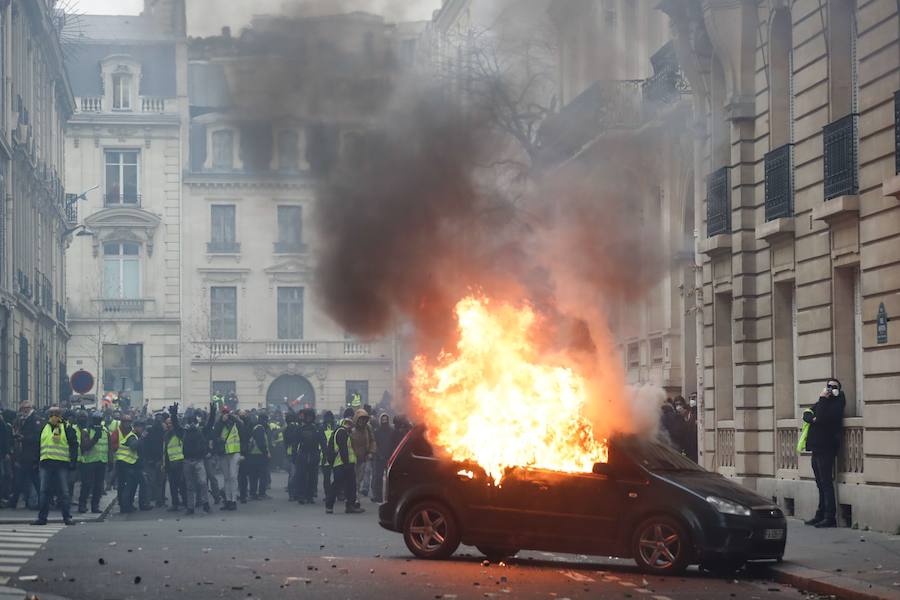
(169, 16)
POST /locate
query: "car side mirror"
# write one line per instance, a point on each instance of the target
(604, 469)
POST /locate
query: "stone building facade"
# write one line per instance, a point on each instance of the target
(35, 103)
(796, 188)
(258, 140)
(125, 144)
(616, 60)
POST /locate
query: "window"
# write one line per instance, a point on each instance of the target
(122, 178)
(223, 149)
(121, 84)
(123, 371)
(23, 369)
(288, 150)
(226, 388)
(223, 313)
(723, 358)
(223, 238)
(290, 313)
(357, 387)
(290, 229)
(121, 270)
(634, 355)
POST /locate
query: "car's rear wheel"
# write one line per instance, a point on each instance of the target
(496, 554)
(661, 546)
(430, 530)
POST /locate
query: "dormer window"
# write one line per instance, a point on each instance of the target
(121, 84)
(223, 150)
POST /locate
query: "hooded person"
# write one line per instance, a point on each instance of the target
(363, 439)
(826, 421)
(384, 447)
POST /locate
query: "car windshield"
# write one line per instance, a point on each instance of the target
(657, 457)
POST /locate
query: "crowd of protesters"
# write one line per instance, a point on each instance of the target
(190, 460)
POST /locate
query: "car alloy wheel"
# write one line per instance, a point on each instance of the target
(661, 546)
(430, 531)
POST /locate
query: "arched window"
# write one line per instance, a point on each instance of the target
(780, 78)
(842, 58)
(121, 270)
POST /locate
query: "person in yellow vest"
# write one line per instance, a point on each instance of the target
(344, 468)
(173, 446)
(227, 435)
(92, 462)
(59, 451)
(128, 469)
(256, 459)
(327, 432)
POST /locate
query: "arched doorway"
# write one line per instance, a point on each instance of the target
(291, 389)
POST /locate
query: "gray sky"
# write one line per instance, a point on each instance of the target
(207, 17)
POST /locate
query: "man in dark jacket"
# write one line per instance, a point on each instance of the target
(309, 448)
(291, 440)
(152, 461)
(27, 430)
(384, 447)
(195, 448)
(825, 420)
(256, 459)
(173, 453)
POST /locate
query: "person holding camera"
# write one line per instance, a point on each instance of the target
(825, 420)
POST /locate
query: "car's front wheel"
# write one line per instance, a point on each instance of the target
(661, 546)
(430, 530)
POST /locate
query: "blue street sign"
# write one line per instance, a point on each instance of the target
(82, 382)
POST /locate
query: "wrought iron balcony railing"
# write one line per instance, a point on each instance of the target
(897, 132)
(668, 83)
(718, 203)
(779, 183)
(223, 248)
(122, 200)
(840, 143)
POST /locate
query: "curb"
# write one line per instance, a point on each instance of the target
(820, 582)
(77, 518)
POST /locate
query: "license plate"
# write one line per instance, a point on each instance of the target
(774, 534)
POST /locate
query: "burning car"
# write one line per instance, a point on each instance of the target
(646, 502)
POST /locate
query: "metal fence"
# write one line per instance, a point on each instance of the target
(779, 183)
(839, 140)
(718, 203)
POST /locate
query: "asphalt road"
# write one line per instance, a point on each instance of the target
(272, 548)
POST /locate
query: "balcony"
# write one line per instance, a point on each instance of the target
(153, 105)
(112, 200)
(779, 183)
(223, 248)
(291, 350)
(90, 104)
(289, 248)
(23, 284)
(840, 143)
(60, 313)
(118, 306)
(718, 203)
(668, 84)
(604, 106)
(71, 209)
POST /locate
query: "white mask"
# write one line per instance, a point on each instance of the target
(835, 392)
(693, 403)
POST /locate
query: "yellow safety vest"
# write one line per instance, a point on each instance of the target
(124, 453)
(232, 439)
(175, 449)
(54, 444)
(99, 452)
(279, 436)
(329, 431)
(351, 455)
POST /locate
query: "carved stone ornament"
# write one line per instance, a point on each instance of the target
(211, 277)
(123, 224)
(292, 271)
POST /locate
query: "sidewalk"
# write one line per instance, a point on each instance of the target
(22, 515)
(847, 563)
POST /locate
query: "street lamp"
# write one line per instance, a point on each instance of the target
(71, 211)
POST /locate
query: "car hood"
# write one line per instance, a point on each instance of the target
(713, 484)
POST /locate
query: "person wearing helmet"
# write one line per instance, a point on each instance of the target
(344, 464)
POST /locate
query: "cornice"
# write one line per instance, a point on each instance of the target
(213, 181)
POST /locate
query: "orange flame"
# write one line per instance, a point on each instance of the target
(496, 403)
